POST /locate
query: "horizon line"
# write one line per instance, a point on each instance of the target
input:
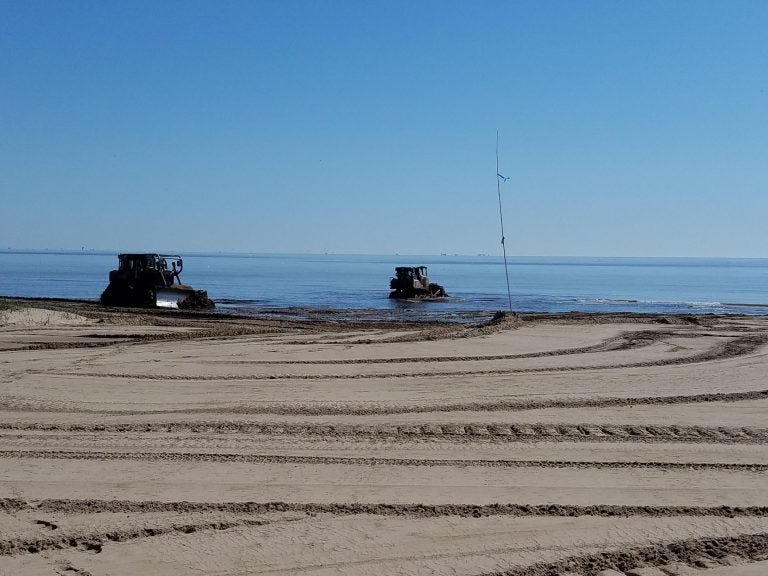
(101, 251)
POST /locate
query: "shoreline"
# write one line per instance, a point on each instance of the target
(372, 315)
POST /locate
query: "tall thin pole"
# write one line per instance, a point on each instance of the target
(501, 219)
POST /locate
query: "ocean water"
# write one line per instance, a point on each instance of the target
(357, 286)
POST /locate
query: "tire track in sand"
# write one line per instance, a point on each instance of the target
(457, 432)
(657, 549)
(750, 547)
(371, 461)
(740, 346)
(629, 340)
(701, 550)
(22, 405)
(94, 541)
(73, 506)
(626, 341)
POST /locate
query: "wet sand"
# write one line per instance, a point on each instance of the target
(142, 442)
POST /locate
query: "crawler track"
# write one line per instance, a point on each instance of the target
(282, 459)
(457, 432)
(13, 505)
(692, 553)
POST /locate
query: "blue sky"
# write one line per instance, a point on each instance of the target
(627, 128)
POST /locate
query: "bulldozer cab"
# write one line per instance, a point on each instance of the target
(412, 282)
(414, 275)
(150, 267)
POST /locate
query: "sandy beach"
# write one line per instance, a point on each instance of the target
(143, 442)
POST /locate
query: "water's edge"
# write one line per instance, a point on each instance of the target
(357, 286)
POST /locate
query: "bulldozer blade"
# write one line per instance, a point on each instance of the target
(167, 298)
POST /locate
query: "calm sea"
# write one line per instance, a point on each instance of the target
(357, 286)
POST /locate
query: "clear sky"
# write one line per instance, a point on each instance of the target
(628, 128)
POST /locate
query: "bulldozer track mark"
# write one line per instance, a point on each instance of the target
(737, 347)
(136, 339)
(72, 506)
(429, 333)
(367, 409)
(624, 342)
(518, 320)
(293, 409)
(69, 569)
(94, 541)
(751, 547)
(369, 461)
(270, 424)
(462, 432)
(47, 524)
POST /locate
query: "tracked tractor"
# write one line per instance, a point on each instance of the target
(413, 282)
(147, 281)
